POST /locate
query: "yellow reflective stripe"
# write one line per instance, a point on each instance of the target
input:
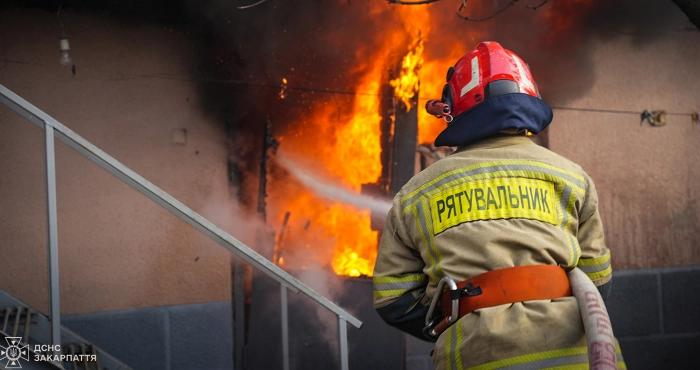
(595, 261)
(532, 357)
(570, 210)
(401, 279)
(432, 257)
(396, 286)
(443, 176)
(574, 248)
(507, 168)
(600, 274)
(437, 268)
(453, 345)
(620, 366)
(561, 214)
(458, 354)
(492, 164)
(425, 231)
(389, 293)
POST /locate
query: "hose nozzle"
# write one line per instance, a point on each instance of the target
(437, 108)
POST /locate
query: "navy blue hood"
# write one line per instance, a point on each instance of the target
(520, 111)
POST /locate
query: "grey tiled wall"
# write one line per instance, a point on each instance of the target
(196, 336)
(655, 315)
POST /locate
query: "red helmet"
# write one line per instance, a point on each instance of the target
(484, 73)
(488, 71)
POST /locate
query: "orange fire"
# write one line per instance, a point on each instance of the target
(323, 232)
(355, 155)
(357, 150)
(406, 86)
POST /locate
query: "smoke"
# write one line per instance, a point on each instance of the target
(333, 192)
(224, 211)
(330, 44)
(326, 283)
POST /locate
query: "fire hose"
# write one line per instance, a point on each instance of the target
(596, 322)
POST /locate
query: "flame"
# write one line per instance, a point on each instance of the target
(356, 245)
(347, 143)
(335, 234)
(407, 84)
(358, 162)
(355, 155)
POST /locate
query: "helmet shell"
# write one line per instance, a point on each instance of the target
(485, 72)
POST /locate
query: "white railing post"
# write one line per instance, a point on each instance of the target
(52, 237)
(285, 328)
(343, 336)
(239, 310)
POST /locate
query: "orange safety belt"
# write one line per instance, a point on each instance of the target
(508, 285)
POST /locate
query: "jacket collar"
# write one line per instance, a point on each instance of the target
(520, 111)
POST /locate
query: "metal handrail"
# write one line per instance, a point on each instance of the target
(55, 129)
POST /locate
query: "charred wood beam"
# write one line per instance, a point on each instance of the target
(404, 144)
(269, 142)
(386, 138)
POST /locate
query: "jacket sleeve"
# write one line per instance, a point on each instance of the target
(595, 256)
(399, 281)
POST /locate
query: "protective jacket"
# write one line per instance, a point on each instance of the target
(500, 202)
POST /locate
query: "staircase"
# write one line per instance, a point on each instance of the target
(27, 330)
(37, 329)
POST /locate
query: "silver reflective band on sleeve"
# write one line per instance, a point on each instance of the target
(595, 268)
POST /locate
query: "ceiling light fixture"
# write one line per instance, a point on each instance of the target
(65, 47)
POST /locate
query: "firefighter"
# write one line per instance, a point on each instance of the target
(503, 217)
